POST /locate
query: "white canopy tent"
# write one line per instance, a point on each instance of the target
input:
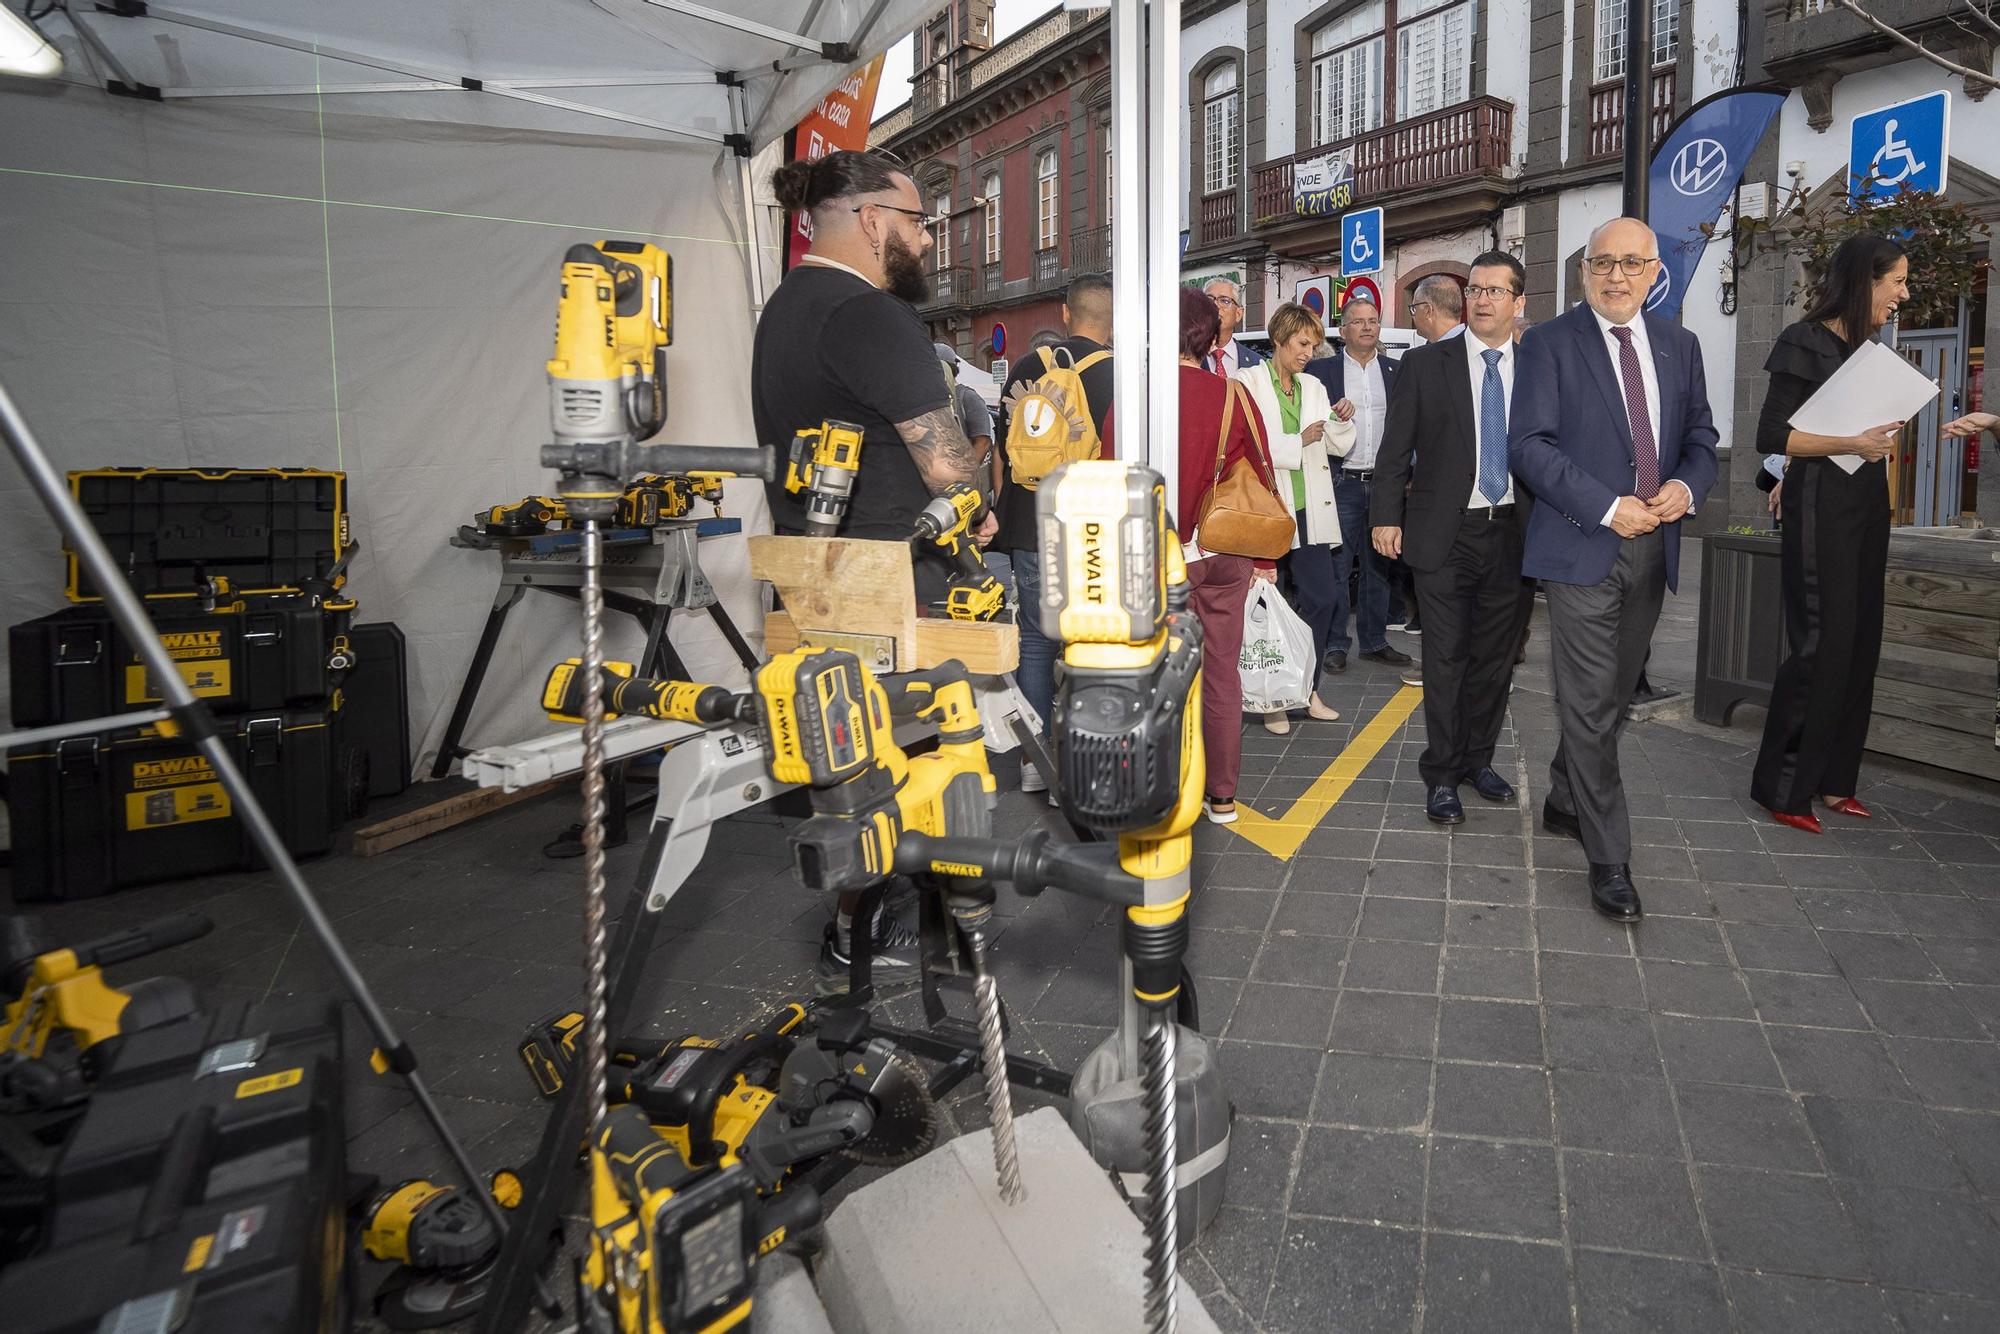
(316, 235)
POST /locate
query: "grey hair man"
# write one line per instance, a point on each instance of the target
(1229, 356)
(1437, 307)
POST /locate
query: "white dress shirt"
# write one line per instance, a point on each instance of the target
(1642, 348)
(1477, 370)
(1232, 358)
(1366, 391)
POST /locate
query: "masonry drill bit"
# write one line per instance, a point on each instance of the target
(993, 1056)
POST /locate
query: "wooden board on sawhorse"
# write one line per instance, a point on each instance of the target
(847, 592)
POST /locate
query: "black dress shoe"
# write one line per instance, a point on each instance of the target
(1389, 654)
(1336, 660)
(1442, 806)
(1561, 822)
(1611, 891)
(1491, 785)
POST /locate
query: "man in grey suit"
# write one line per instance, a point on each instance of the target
(1611, 432)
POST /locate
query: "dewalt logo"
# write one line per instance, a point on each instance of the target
(192, 644)
(164, 773)
(958, 870)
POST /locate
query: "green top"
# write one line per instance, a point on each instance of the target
(1288, 414)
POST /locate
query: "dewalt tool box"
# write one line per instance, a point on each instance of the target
(204, 1185)
(94, 814)
(376, 716)
(272, 654)
(207, 533)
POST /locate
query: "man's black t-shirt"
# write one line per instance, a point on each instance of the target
(1017, 504)
(832, 346)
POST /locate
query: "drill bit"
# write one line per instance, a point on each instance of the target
(1162, 1282)
(993, 1057)
(595, 1039)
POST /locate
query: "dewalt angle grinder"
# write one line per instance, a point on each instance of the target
(443, 1243)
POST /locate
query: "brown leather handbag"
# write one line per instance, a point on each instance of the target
(1241, 515)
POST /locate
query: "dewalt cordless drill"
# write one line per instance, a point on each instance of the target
(974, 593)
(823, 465)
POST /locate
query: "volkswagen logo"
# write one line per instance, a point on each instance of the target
(1698, 167)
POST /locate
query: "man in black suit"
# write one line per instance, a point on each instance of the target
(1459, 531)
(1358, 379)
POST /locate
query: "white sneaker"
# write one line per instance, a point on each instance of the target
(1218, 812)
(1277, 724)
(1326, 713)
(1031, 778)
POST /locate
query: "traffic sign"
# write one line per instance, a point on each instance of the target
(1363, 288)
(1906, 146)
(999, 339)
(1361, 242)
(1315, 294)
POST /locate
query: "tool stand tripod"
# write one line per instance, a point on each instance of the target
(648, 573)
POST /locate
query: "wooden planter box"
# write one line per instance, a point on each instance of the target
(1937, 691)
(1741, 637)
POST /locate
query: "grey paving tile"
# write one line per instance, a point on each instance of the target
(1490, 884)
(1705, 990)
(1849, 910)
(1613, 1041)
(1816, 1000)
(1651, 864)
(1247, 870)
(1851, 1065)
(1928, 1311)
(1317, 914)
(1825, 872)
(1823, 1306)
(1758, 905)
(1385, 1024)
(1474, 1284)
(1668, 900)
(1974, 1138)
(1329, 841)
(1401, 919)
(1362, 1175)
(1791, 1224)
(1729, 835)
(1744, 1127)
(1392, 965)
(1592, 979)
(1241, 1246)
(1926, 1240)
(1737, 868)
(1478, 1030)
(1951, 1074)
(1261, 1158)
(1918, 1009)
(1496, 926)
(1232, 909)
(1504, 1102)
(1954, 916)
(1974, 961)
(1984, 1003)
(1379, 1091)
(1344, 1276)
(1716, 1051)
(1869, 954)
(1508, 1189)
(1412, 845)
(1266, 1079)
(1301, 961)
(1327, 875)
(1620, 1294)
(1471, 970)
(1878, 1140)
(1614, 1112)
(1288, 1014)
(1581, 930)
(1219, 953)
(1627, 1203)
(1407, 880)
(1785, 949)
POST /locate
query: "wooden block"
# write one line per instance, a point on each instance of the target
(986, 648)
(453, 811)
(843, 584)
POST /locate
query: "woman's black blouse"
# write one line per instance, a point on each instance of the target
(1802, 359)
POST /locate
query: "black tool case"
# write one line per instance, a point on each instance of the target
(92, 814)
(207, 1179)
(204, 533)
(376, 713)
(270, 653)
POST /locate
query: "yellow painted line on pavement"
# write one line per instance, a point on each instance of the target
(1282, 835)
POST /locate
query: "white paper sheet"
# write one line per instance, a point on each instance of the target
(1872, 387)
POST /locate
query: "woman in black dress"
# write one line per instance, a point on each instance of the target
(1836, 545)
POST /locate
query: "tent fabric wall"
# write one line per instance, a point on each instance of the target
(235, 281)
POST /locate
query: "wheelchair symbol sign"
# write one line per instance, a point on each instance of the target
(1361, 242)
(1900, 147)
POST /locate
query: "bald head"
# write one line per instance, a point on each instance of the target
(1629, 255)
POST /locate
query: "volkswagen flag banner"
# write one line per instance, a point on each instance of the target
(1695, 171)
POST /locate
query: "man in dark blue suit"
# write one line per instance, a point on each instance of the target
(1611, 432)
(1358, 379)
(1229, 355)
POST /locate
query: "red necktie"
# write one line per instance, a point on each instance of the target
(1217, 355)
(1645, 453)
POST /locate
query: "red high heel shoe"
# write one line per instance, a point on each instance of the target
(1808, 822)
(1848, 806)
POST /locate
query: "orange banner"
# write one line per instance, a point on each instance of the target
(839, 121)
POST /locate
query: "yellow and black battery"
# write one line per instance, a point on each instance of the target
(200, 533)
(92, 814)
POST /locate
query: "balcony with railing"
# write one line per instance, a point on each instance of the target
(955, 285)
(1464, 143)
(1048, 264)
(1221, 217)
(1811, 44)
(1090, 249)
(1607, 113)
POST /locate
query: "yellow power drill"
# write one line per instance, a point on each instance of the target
(975, 592)
(823, 465)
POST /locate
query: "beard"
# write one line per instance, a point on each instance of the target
(904, 272)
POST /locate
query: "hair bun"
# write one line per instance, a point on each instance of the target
(792, 183)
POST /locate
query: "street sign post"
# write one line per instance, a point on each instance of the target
(1906, 146)
(1361, 242)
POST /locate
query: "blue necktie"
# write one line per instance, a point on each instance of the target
(1492, 431)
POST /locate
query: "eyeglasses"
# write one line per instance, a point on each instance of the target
(923, 219)
(1225, 300)
(1497, 293)
(1629, 265)
(1416, 306)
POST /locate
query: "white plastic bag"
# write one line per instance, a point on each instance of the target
(1276, 664)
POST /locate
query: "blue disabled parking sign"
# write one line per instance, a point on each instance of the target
(1361, 242)
(1901, 147)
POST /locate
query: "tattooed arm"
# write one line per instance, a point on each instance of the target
(938, 447)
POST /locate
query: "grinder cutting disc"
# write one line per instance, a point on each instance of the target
(905, 1113)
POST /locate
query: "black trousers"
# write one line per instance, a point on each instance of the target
(1836, 549)
(1599, 636)
(1471, 609)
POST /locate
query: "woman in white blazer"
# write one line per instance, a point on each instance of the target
(1298, 421)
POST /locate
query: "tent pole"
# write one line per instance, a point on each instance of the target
(739, 119)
